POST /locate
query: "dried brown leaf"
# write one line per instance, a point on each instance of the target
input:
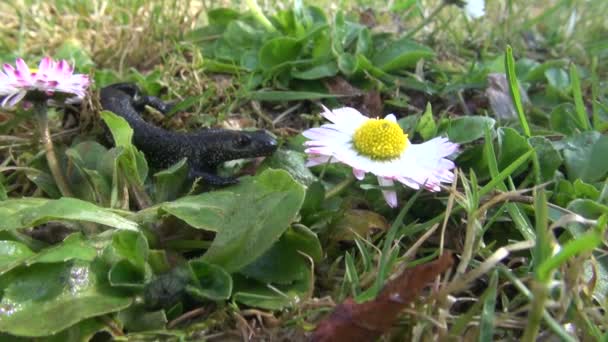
(351, 321)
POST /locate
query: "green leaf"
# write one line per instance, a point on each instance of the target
(468, 128)
(585, 156)
(36, 211)
(248, 217)
(169, 182)
(401, 54)
(278, 51)
(426, 125)
(293, 162)
(212, 282)
(44, 299)
(558, 78)
(283, 263)
(584, 190)
(511, 145)
(537, 73)
(563, 119)
(549, 158)
(75, 246)
(277, 297)
(137, 318)
(316, 72)
(131, 246)
(124, 273)
(79, 332)
(13, 254)
(347, 63)
(131, 160)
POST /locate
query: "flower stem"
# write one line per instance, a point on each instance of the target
(51, 158)
(339, 187)
(427, 19)
(259, 15)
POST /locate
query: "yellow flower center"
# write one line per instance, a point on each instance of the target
(380, 139)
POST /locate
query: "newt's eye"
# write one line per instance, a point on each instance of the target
(242, 141)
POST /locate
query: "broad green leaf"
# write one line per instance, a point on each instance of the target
(585, 156)
(75, 246)
(511, 145)
(347, 63)
(275, 297)
(124, 274)
(401, 54)
(537, 73)
(563, 119)
(165, 290)
(211, 282)
(584, 190)
(548, 157)
(137, 318)
(248, 217)
(35, 211)
(79, 332)
(283, 263)
(131, 246)
(131, 160)
(44, 299)
(316, 72)
(558, 78)
(293, 162)
(468, 128)
(278, 51)
(169, 182)
(13, 254)
(85, 179)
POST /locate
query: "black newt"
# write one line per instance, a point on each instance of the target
(204, 149)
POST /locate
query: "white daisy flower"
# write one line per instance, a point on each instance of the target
(51, 77)
(475, 9)
(380, 147)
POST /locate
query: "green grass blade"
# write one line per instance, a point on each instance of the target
(514, 87)
(577, 93)
(486, 326)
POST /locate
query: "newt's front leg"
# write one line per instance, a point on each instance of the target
(211, 179)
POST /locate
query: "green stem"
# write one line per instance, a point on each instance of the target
(540, 291)
(51, 158)
(340, 187)
(259, 15)
(427, 20)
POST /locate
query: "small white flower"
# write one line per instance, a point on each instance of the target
(475, 8)
(51, 77)
(380, 147)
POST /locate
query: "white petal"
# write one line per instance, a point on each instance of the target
(390, 196)
(391, 117)
(475, 8)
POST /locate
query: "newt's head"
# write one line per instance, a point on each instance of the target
(220, 145)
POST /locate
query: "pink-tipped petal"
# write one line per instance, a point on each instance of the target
(390, 196)
(359, 174)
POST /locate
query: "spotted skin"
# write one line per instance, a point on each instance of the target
(204, 149)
